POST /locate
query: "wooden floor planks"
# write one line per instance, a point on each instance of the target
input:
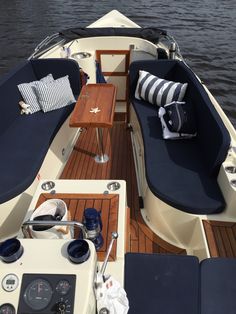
(117, 143)
(221, 238)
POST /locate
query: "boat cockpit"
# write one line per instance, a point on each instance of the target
(118, 171)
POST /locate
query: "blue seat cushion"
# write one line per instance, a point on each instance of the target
(162, 284)
(175, 170)
(218, 286)
(24, 147)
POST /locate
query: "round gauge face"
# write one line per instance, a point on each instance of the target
(7, 309)
(38, 294)
(63, 287)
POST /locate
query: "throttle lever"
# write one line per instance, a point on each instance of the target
(114, 236)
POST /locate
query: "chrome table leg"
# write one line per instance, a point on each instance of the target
(101, 158)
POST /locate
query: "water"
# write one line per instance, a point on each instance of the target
(204, 29)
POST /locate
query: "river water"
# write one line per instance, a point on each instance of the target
(204, 29)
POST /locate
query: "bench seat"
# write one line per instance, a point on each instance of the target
(182, 173)
(175, 172)
(25, 139)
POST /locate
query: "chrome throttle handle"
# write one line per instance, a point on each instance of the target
(114, 236)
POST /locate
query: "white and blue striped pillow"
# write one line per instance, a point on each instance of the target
(28, 93)
(158, 91)
(54, 95)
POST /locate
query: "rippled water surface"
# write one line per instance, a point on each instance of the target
(205, 31)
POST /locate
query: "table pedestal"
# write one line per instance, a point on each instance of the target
(101, 158)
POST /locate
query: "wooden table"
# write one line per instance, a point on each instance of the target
(95, 107)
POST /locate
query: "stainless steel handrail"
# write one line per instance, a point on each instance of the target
(71, 223)
(45, 42)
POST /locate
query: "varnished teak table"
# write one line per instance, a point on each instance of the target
(103, 97)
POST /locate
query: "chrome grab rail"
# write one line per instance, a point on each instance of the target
(71, 223)
(45, 42)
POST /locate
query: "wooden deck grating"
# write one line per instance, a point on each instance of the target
(221, 238)
(108, 205)
(81, 165)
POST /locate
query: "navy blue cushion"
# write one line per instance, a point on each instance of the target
(59, 68)
(25, 139)
(212, 136)
(162, 284)
(218, 286)
(24, 147)
(175, 170)
(10, 95)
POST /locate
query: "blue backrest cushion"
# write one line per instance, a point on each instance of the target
(59, 68)
(212, 135)
(10, 95)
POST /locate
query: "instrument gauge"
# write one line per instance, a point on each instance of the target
(63, 287)
(7, 308)
(38, 294)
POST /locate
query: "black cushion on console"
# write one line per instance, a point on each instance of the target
(162, 284)
(175, 170)
(218, 286)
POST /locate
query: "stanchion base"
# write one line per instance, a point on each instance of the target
(101, 159)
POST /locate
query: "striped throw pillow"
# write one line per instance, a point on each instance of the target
(158, 91)
(54, 95)
(28, 93)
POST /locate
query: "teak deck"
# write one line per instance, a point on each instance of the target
(221, 238)
(107, 204)
(117, 144)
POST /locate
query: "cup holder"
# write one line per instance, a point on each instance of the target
(48, 185)
(113, 186)
(230, 169)
(78, 251)
(233, 183)
(81, 55)
(11, 250)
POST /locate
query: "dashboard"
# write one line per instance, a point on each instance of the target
(44, 280)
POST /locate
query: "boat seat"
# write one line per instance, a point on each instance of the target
(182, 173)
(25, 139)
(162, 284)
(218, 286)
(175, 284)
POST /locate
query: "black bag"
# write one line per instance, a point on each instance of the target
(180, 118)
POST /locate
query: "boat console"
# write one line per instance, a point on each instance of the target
(45, 280)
